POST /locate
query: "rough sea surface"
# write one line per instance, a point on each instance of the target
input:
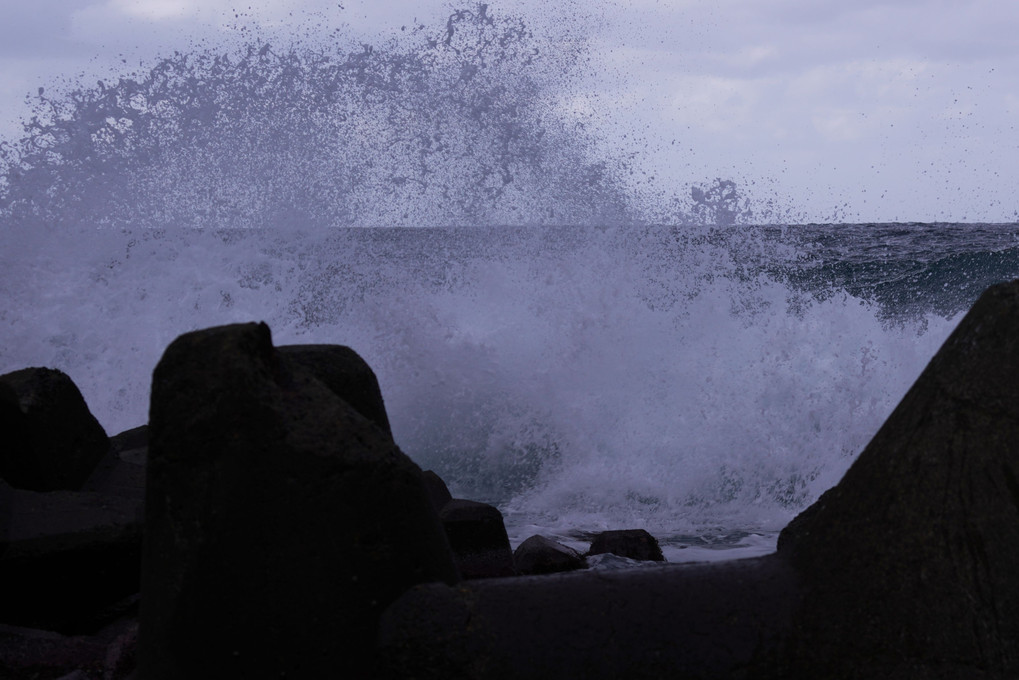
(547, 336)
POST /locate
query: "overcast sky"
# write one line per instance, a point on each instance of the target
(862, 111)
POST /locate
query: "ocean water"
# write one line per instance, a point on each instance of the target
(548, 336)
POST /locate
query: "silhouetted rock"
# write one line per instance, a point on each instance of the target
(541, 555)
(280, 522)
(438, 492)
(708, 621)
(912, 560)
(344, 372)
(478, 538)
(637, 544)
(58, 442)
(65, 556)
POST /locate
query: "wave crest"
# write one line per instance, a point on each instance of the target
(450, 127)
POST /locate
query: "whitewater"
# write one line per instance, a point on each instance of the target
(548, 338)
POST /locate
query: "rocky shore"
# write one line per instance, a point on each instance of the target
(265, 524)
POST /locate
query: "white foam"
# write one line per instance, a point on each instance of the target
(583, 383)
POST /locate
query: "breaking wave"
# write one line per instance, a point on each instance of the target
(583, 354)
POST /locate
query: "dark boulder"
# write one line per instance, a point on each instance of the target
(637, 544)
(343, 371)
(478, 538)
(708, 621)
(66, 557)
(541, 555)
(912, 560)
(280, 522)
(57, 442)
(438, 492)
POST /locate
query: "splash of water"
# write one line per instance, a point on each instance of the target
(604, 375)
(446, 128)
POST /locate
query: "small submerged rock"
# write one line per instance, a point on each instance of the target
(541, 555)
(636, 544)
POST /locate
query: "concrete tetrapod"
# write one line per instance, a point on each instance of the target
(912, 561)
(908, 568)
(279, 521)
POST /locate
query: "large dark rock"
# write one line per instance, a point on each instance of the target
(56, 443)
(66, 557)
(478, 538)
(280, 522)
(541, 555)
(637, 544)
(344, 372)
(664, 621)
(912, 560)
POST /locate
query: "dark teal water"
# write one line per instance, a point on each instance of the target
(908, 269)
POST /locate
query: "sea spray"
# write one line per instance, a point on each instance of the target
(565, 375)
(460, 126)
(538, 341)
